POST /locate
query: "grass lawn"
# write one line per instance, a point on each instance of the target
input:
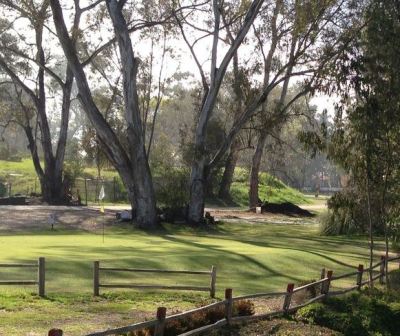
(249, 257)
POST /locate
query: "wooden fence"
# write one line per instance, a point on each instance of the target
(41, 274)
(97, 284)
(289, 306)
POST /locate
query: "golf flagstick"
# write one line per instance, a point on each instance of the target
(101, 198)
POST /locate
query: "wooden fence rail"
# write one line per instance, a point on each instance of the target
(41, 275)
(325, 283)
(97, 284)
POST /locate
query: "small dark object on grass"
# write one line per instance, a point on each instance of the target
(209, 219)
(124, 215)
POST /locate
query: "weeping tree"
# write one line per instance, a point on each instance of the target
(366, 134)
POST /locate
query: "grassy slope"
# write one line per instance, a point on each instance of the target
(21, 184)
(270, 189)
(250, 258)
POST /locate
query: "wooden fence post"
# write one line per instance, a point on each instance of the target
(327, 283)
(115, 189)
(229, 305)
(360, 275)
(160, 326)
(96, 278)
(86, 192)
(382, 270)
(41, 276)
(288, 297)
(213, 281)
(322, 273)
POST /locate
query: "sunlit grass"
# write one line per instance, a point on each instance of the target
(249, 257)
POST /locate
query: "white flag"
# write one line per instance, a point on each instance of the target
(102, 193)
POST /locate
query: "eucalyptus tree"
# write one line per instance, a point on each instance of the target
(128, 155)
(27, 59)
(310, 33)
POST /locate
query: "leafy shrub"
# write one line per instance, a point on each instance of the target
(347, 214)
(241, 175)
(3, 190)
(4, 152)
(394, 280)
(171, 187)
(356, 314)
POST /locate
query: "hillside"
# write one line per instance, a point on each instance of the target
(23, 178)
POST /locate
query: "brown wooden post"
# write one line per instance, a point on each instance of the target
(326, 285)
(288, 297)
(114, 189)
(41, 276)
(382, 270)
(213, 281)
(229, 305)
(322, 273)
(86, 191)
(160, 326)
(55, 332)
(96, 278)
(360, 275)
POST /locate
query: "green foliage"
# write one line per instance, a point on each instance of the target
(355, 314)
(3, 189)
(4, 153)
(346, 214)
(74, 169)
(170, 182)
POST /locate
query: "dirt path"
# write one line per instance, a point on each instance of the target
(31, 217)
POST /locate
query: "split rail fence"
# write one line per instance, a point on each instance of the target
(41, 275)
(97, 284)
(289, 305)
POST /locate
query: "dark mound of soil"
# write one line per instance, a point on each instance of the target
(286, 208)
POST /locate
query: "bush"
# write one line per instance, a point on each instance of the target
(4, 152)
(241, 175)
(171, 187)
(356, 314)
(3, 190)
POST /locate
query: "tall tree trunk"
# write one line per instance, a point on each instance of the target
(146, 212)
(255, 169)
(133, 166)
(198, 180)
(229, 171)
(201, 162)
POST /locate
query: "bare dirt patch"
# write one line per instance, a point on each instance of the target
(37, 217)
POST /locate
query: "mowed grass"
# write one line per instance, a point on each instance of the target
(249, 257)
